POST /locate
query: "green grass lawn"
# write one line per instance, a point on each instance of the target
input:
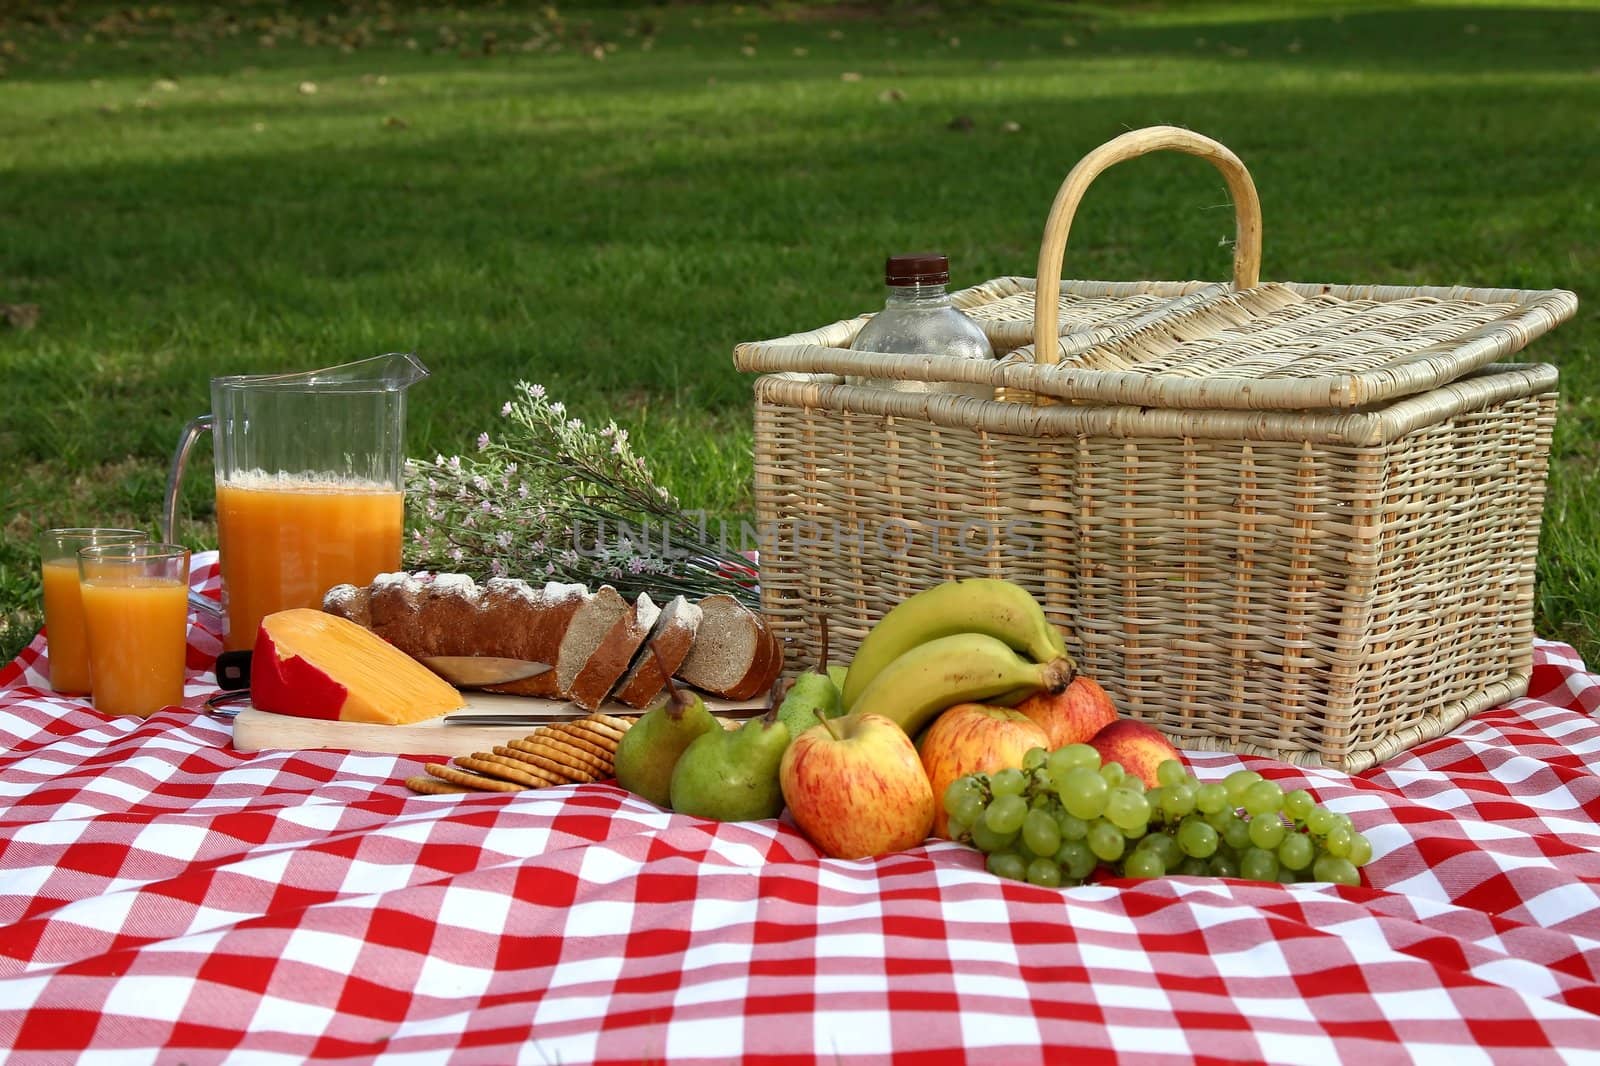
(607, 200)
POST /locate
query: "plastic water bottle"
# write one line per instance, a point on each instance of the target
(919, 319)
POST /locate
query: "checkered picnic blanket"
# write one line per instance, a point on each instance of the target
(165, 898)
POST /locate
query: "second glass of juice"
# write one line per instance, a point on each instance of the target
(63, 606)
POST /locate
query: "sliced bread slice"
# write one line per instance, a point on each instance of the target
(610, 658)
(530, 624)
(734, 654)
(669, 641)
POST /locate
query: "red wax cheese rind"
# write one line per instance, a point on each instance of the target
(314, 665)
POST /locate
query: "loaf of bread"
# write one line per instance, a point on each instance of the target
(598, 642)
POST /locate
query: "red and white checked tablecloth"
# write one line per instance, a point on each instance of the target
(164, 898)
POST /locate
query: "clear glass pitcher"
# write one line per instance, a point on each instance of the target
(310, 482)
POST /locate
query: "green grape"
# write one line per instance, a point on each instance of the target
(1106, 841)
(1286, 876)
(1298, 804)
(958, 829)
(1235, 784)
(1344, 820)
(1044, 872)
(1177, 801)
(1296, 852)
(1171, 772)
(1210, 798)
(1153, 797)
(1008, 864)
(1220, 865)
(1339, 871)
(1083, 792)
(1006, 814)
(1133, 783)
(1360, 850)
(1076, 860)
(1113, 773)
(1193, 867)
(969, 807)
(1266, 831)
(1237, 834)
(1164, 845)
(1127, 810)
(1040, 834)
(1259, 865)
(1034, 759)
(1196, 838)
(987, 840)
(1007, 783)
(1040, 782)
(1071, 757)
(958, 790)
(1072, 827)
(1041, 800)
(1220, 820)
(1263, 797)
(1320, 820)
(1337, 842)
(1143, 865)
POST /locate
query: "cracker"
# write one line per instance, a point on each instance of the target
(432, 786)
(608, 724)
(501, 770)
(550, 764)
(555, 746)
(577, 736)
(462, 777)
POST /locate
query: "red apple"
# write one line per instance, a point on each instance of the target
(1073, 715)
(972, 738)
(1138, 746)
(855, 787)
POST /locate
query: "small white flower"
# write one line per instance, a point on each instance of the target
(497, 568)
(503, 538)
(610, 429)
(505, 409)
(483, 441)
(480, 483)
(486, 506)
(522, 491)
(536, 391)
(574, 423)
(557, 408)
(455, 464)
(456, 555)
(635, 565)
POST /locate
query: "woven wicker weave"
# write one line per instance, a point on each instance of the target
(1324, 586)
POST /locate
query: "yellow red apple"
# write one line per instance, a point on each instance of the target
(856, 788)
(972, 738)
(1073, 715)
(1139, 746)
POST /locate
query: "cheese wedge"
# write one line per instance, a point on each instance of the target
(315, 665)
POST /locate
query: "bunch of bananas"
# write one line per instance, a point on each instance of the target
(981, 640)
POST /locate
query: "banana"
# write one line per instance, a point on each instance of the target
(945, 671)
(997, 608)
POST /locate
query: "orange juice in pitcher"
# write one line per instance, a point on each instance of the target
(285, 542)
(310, 482)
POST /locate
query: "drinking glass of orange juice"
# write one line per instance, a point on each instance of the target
(63, 608)
(310, 483)
(135, 611)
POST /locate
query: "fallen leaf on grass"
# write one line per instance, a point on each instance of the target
(850, 75)
(1011, 127)
(395, 122)
(891, 96)
(308, 88)
(20, 316)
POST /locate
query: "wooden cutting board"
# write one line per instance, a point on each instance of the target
(255, 730)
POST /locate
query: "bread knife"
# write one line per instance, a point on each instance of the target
(476, 671)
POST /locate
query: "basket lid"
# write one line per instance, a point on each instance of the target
(1292, 346)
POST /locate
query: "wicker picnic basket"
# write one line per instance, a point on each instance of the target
(1286, 519)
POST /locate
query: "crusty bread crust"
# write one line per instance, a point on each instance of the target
(450, 614)
(665, 648)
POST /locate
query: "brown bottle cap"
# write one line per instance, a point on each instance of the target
(922, 268)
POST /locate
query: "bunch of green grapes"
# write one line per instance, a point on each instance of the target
(1062, 815)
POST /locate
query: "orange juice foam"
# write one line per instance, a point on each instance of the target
(137, 635)
(285, 542)
(63, 618)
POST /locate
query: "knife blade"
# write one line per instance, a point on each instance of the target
(476, 671)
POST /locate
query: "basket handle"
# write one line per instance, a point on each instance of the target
(1131, 145)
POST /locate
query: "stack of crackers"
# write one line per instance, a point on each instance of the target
(561, 753)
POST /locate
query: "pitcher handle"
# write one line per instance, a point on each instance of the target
(180, 458)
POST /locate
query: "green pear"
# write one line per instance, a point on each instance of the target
(813, 695)
(732, 776)
(837, 674)
(651, 748)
